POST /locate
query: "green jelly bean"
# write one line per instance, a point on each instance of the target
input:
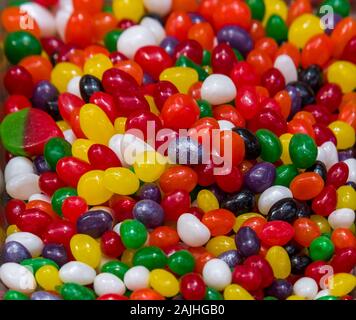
(212, 294)
(303, 150)
(206, 58)
(285, 174)
(15, 295)
(277, 29)
(183, 61)
(258, 9)
(328, 298)
(56, 149)
(34, 264)
(181, 262)
(117, 268)
(111, 38)
(150, 257)
(269, 298)
(21, 44)
(321, 248)
(59, 196)
(133, 234)
(271, 147)
(205, 109)
(341, 7)
(73, 291)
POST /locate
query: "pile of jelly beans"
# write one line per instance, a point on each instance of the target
(96, 212)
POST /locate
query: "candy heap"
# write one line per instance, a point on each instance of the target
(96, 211)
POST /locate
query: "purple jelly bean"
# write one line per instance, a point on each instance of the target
(296, 105)
(14, 251)
(260, 177)
(346, 154)
(237, 38)
(280, 288)
(247, 241)
(149, 212)
(55, 252)
(231, 257)
(94, 223)
(40, 165)
(44, 92)
(169, 45)
(44, 295)
(149, 191)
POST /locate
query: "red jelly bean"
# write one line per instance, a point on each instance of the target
(276, 233)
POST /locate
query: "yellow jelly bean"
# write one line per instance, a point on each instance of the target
(85, 249)
(279, 260)
(322, 223)
(62, 73)
(80, 148)
(153, 107)
(207, 201)
(127, 256)
(346, 197)
(119, 125)
(164, 282)
(63, 125)
(285, 140)
(343, 73)
(295, 297)
(344, 133)
(242, 218)
(47, 277)
(128, 9)
(277, 7)
(220, 244)
(303, 28)
(341, 284)
(236, 292)
(183, 78)
(149, 166)
(12, 228)
(121, 181)
(91, 188)
(95, 124)
(97, 65)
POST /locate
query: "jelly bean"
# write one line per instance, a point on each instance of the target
(146, 294)
(149, 191)
(302, 150)
(271, 196)
(150, 257)
(15, 252)
(260, 177)
(325, 202)
(341, 218)
(9, 275)
(344, 133)
(216, 274)
(158, 7)
(149, 166)
(306, 231)
(62, 73)
(181, 262)
(192, 231)
(306, 287)
(236, 37)
(279, 261)
(341, 284)
(120, 181)
(276, 233)
(133, 234)
(192, 287)
(30, 241)
(346, 197)
(85, 250)
(220, 244)
(105, 283)
(56, 253)
(321, 248)
(341, 73)
(74, 291)
(236, 292)
(164, 282)
(247, 241)
(306, 186)
(219, 221)
(207, 201)
(94, 223)
(149, 213)
(270, 145)
(239, 203)
(48, 277)
(137, 278)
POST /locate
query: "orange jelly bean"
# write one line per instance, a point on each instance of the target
(306, 230)
(219, 221)
(306, 186)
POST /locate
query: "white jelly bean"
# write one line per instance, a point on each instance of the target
(30, 241)
(77, 272)
(17, 277)
(272, 195)
(322, 293)
(218, 89)
(73, 86)
(65, 5)
(351, 163)
(225, 125)
(69, 136)
(192, 231)
(217, 274)
(155, 27)
(42, 16)
(341, 218)
(105, 283)
(39, 196)
(134, 38)
(306, 287)
(286, 66)
(23, 186)
(327, 153)
(17, 166)
(160, 7)
(61, 19)
(137, 278)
